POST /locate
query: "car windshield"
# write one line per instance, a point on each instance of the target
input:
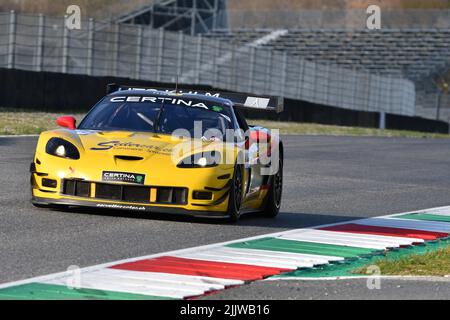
(157, 114)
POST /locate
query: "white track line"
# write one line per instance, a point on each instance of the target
(439, 212)
(427, 278)
(105, 286)
(19, 136)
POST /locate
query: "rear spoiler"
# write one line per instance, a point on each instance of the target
(240, 100)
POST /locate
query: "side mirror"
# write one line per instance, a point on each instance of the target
(257, 136)
(66, 122)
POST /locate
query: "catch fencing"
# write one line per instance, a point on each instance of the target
(42, 43)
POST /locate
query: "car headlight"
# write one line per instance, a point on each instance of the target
(62, 148)
(201, 160)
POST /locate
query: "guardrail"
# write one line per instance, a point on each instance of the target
(42, 43)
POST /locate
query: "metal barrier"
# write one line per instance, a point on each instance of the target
(40, 43)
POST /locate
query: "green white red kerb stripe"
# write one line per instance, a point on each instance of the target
(196, 271)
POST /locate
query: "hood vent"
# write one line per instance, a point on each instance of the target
(129, 158)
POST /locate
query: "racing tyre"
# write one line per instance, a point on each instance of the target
(274, 196)
(236, 195)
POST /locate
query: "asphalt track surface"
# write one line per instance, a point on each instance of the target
(326, 180)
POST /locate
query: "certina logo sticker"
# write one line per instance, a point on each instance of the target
(174, 101)
(123, 177)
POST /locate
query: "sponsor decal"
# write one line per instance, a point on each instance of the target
(131, 146)
(216, 108)
(167, 91)
(121, 207)
(171, 101)
(123, 177)
(174, 101)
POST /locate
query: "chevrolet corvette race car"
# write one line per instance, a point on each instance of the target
(163, 151)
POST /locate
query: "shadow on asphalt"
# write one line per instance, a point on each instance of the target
(283, 220)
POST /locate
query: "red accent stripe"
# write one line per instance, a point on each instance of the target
(204, 268)
(386, 231)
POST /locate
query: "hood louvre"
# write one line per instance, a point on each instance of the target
(128, 158)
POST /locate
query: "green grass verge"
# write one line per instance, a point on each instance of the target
(435, 263)
(16, 122)
(19, 121)
(319, 129)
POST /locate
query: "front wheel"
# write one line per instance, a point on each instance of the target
(236, 192)
(275, 191)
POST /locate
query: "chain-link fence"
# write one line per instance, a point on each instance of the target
(39, 43)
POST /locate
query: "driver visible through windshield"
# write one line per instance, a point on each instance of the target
(157, 114)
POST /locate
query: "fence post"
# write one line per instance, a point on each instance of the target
(137, 66)
(301, 78)
(234, 81)
(180, 53)
(12, 39)
(160, 55)
(90, 47)
(284, 73)
(217, 53)
(268, 76)
(438, 104)
(326, 89)
(40, 42)
(382, 122)
(252, 69)
(354, 88)
(198, 58)
(65, 48)
(115, 51)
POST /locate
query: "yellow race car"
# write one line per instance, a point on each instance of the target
(163, 151)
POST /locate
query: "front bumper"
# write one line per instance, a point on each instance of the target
(128, 207)
(134, 197)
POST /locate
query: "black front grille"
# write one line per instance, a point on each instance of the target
(126, 193)
(171, 195)
(136, 194)
(108, 191)
(77, 188)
